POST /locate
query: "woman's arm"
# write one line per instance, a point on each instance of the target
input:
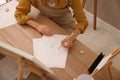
(41, 28)
(21, 12)
(80, 16)
(68, 41)
(22, 9)
(81, 25)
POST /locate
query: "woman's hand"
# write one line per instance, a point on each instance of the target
(45, 30)
(67, 42)
(41, 28)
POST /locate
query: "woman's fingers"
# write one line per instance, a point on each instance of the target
(66, 43)
(48, 31)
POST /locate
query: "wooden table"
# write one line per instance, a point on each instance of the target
(20, 37)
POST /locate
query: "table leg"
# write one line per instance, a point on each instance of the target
(110, 73)
(36, 70)
(95, 13)
(84, 1)
(21, 69)
(7, 0)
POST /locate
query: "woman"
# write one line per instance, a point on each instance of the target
(58, 11)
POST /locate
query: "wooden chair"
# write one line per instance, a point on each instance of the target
(109, 63)
(106, 63)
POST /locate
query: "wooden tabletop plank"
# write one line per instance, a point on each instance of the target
(17, 39)
(75, 65)
(87, 57)
(3, 39)
(61, 74)
(30, 32)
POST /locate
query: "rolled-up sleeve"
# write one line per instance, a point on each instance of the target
(80, 17)
(22, 9)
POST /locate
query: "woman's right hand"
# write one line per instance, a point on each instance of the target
(45, 30)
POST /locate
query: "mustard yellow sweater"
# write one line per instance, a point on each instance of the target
(24, 7)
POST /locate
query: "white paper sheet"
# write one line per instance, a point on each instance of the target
(48, 51)
(8, 18)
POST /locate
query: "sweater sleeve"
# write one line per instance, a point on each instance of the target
(80, 17)
(22, 9)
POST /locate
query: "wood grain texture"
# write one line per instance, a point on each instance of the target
(20, 36)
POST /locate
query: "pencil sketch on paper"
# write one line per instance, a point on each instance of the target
(48, 51)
